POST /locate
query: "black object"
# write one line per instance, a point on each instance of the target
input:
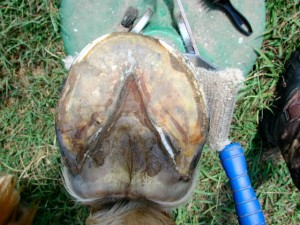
(237, 18)
(282, 126)
(129, 17)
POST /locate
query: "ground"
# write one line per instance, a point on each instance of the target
(31, 73)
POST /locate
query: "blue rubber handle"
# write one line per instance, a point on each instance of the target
(247, 206)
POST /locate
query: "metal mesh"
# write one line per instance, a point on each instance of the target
(220, 88)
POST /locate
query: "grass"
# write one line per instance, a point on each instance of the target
(31, 73)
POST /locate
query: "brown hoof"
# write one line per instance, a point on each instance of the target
(131, 121)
